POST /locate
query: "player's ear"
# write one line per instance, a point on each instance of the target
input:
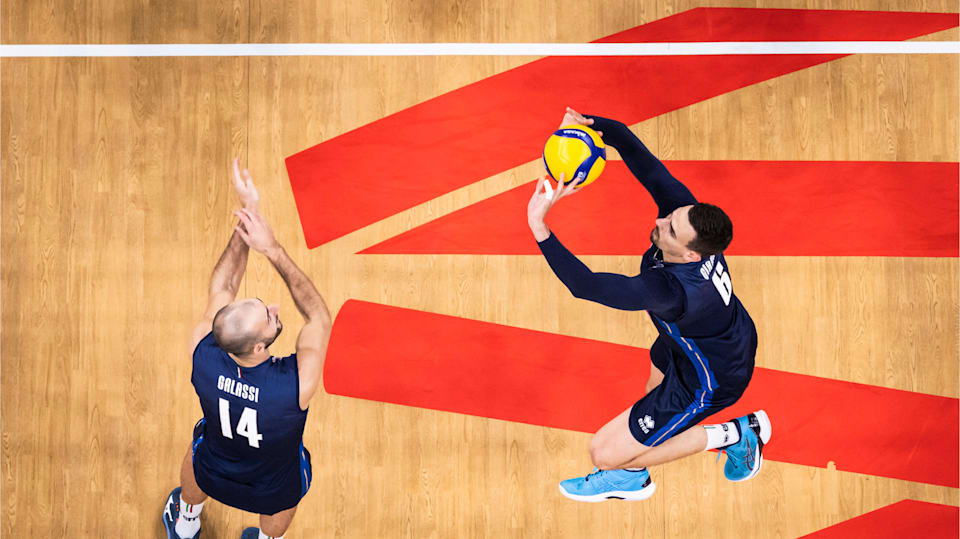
(259, 347)
(691, 256)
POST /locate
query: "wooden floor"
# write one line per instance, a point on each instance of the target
(116, 204)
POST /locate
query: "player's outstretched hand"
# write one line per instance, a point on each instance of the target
(544, 197)
(572, 117)
(246, 191)
(255, 231)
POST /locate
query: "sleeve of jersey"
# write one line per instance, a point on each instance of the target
(667, 192)
(652, 291)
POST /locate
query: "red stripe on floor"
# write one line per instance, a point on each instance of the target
(471, 133)
(427, 360)
(908, 518)
(778, 208)
(861, 428)
(454, 364)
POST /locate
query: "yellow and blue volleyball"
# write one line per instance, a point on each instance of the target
(576, 152)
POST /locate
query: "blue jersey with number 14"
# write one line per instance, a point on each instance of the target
(252, 435)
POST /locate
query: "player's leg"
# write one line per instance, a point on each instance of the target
(271, 526)
(660, 361)
(613, 442)
(181, 513)
(688, 442)
(191, 492)
(692, 441)
(614, 445)
(655, 430)
(655, 378)
(276, 525)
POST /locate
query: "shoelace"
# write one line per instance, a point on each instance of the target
(738, 461)
(596, 471)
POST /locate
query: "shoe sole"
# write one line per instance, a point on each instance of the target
(766, 431)
(628, 495)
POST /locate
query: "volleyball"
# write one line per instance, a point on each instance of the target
(576, 152)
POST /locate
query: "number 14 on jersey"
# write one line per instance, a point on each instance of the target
(247, 426)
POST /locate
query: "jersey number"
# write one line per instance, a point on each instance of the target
(721, 280)
(247, 426)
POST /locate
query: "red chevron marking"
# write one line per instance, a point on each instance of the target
(427, 360)
(907, 518)
(471, 133)
(777, 207)
(415, 358)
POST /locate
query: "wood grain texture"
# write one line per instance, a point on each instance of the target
(342, 21)
(116, 204)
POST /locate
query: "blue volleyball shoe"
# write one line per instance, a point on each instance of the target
(171, 512)
(745, 457)
(609, 485)
(250, 533)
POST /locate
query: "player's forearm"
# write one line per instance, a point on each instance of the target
(667, 192)
(574, 274)
(305, 295)
(610, 289)
(228, 272)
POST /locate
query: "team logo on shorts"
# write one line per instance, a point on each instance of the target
(646, 423)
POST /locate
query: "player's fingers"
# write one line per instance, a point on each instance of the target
(243, 234)
(560, 184)
(236, 171)
(572, 188)
(244, 217)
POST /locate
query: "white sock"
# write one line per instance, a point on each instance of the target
(721, 435)
(189, 522)
(264, 536)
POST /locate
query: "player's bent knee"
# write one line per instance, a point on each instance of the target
(602, 457)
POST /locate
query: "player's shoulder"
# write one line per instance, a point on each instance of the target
(205, 344)
(285, 363)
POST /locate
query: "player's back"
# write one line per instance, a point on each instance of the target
(253, 425)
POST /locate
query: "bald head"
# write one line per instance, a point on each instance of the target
(239, 326)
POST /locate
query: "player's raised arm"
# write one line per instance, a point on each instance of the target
(313, 338)
(667, 192)
(227, 274)
(651, 292)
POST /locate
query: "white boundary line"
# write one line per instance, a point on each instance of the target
(484, 49)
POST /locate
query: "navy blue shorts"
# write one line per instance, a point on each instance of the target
(672, 408)
(251, 497)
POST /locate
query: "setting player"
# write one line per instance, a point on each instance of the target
(704, 355)
(247, 451)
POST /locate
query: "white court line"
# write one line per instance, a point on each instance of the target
(484, 49)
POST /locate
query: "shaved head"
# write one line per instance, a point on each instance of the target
(234, 328)
(239, 326)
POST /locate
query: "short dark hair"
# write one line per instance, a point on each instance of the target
(236, 341)
(714, 229)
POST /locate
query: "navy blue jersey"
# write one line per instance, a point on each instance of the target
(703, 327)
(252, 438)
